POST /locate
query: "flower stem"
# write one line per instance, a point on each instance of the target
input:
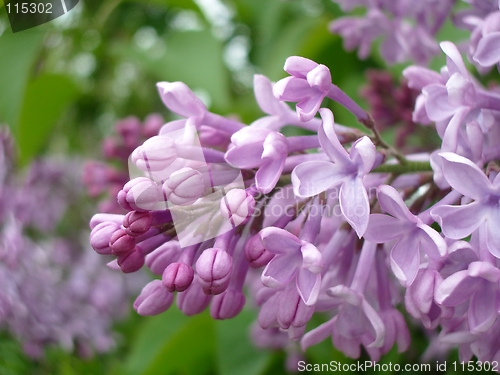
(408, 167)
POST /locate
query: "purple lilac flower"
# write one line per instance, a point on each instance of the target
(409, 232)
(54, 291)
(407, 29)
(459, 222)
(313, 177)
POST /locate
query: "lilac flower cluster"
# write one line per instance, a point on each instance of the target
(408, 28)
(54, 290)
(338, 222)
(107, 178)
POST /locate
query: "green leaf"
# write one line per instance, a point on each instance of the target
(236, 353)
(45, 101)
(193, 57)
(172, 343)
(17, 54)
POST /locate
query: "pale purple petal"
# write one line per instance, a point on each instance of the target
(280, 241)
(312, 259)
(465, 176)
(329, 141)
(354, 204)
(281, 270)
(291, 89)
(457, 288)
(179, 98)
(299, 66)
(405, 259)
(482, 310)
(458, 222)
(454, 60)
(263, 89)
(450, 137)
(461, 90)
(377, 325)
(363, 154)
(317, 334)
(351, 321)
(314, 177)
(384, 228)
(436, 105)
(308, 106)
(488, 50)
(431, 242)
(493, 232)
(268, 175)
(419, 77)
(392, 203)
(308, 285)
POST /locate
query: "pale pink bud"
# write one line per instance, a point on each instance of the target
(156, 154)
(184, 186)
(193, 300)
(161, 257)
(131, 262)
(255, 253)
(140, 194)
(227, 305)
(137, 223)
(237, 206)
(101, 235)
(154, 299)
(214, 268)
(121, 243)
(177, 277)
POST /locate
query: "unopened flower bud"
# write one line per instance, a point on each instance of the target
(177, 277)
(184, 186)
(121, 243)
(156, 154)
(193, 300)
(255, 253)
(100, 236)
(237, 206)
(214, 268)
(154, 299)
(228, 304)
(131, 262)
(137, 223)
(161, 257)
(140, 194)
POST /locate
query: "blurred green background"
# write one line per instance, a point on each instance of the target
(64, 84)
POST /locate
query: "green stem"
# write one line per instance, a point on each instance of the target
(409, 167)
